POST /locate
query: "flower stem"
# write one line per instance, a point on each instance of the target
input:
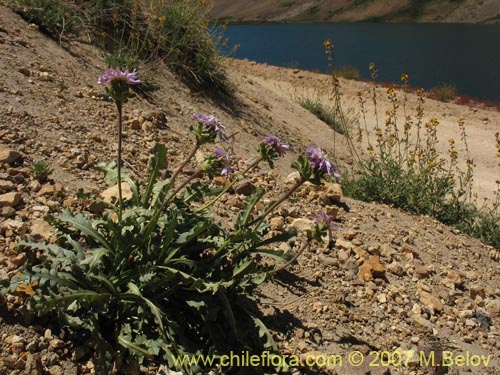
(294, 258)
(180, 187)
(278, 202)
(209, 204)
(181, 167)
(119, 161)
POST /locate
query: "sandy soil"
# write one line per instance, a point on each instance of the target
(288, 85)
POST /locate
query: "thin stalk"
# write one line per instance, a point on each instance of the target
(119, 161)
(177, 190)
(209, 204)
(278, 202)
(189, 157)
(172, 180)
(291, 261)
(180, 187)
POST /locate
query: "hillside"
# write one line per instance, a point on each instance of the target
(393, 282)
(450, 11)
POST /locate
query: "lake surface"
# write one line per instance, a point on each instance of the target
(467, 56)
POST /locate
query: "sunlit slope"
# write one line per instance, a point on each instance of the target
(472, 11)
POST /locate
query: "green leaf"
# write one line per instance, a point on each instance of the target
(83, 225)
(228, 312)
(275, 254)
(43, 305)
(241, 268)
(158, 162)
(244, 216)
(134, 291)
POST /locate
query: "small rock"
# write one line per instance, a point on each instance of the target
(421, 272)
(343, 245)
(477, 290)
(147, 126)
(387, 251)
(19, 259)
(466, 314)
(7, 211)
(396, 268)
(11, 199)
(302, 224)
(34, 186)
(220, 180)
(6, 185)
(111, 194)
(56, 370)
(9, 156)
(293, 178)
(330, 193)
(382, 298)
(51, 190)
(33, 365)
(245, 188)
(48, 334)
(428, 300)
(234, 202)
(493, 307)
(41, 230)
(277, 223)
(56, 343)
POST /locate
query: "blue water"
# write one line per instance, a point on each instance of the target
(467, 56)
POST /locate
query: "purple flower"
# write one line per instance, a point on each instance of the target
(322, 218)
(273, 141)
(116, 75)
(214, 123)
(222, 157)
(320, 162)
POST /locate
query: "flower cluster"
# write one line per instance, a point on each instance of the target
(223, 159)
(116, 75)
(212, 124)
(325, 221)
(276, 144)
(271, 148)
(320, 162)
(120, 82)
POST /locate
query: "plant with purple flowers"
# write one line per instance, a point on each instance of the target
(167, 280)
(209, 127)
(326, 223)
(271, 148)
(118, 90)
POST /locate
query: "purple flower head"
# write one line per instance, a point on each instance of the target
(322, 218)
(116, 75)
(212, 122)
(222, 157)
(320, 162)
(273, 141)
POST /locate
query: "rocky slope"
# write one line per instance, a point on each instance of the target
(468, 11)
(392, 282)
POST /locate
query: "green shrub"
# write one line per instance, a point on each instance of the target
(41, 170)
(324, 113)
(444, 92)
(348, 72)
(53, 16)
(405, 170)
(130, 32)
